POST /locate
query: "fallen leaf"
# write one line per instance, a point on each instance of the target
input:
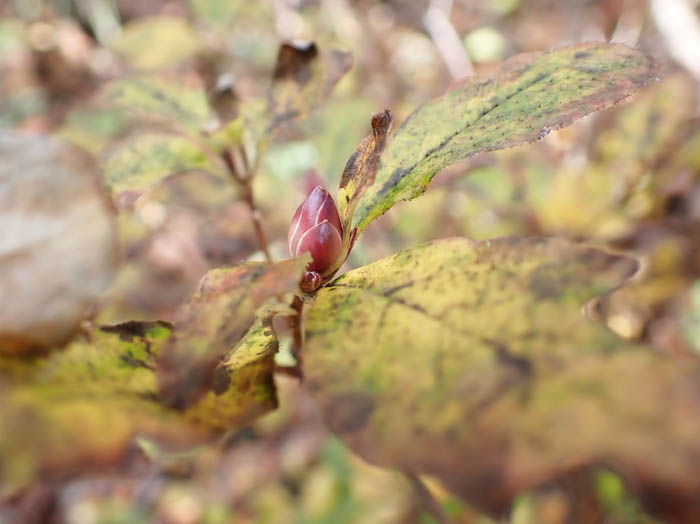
(58, 245)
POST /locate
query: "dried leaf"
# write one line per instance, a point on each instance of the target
(57, 241)
(214, 319)
(530, 96)
(302, 79)
(361, 168)
(472, 362)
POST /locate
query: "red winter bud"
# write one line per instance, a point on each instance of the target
(316, 229)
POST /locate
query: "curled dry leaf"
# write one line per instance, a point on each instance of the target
(361, 168)
(531, 95)
(302, 79)
(58, 245)
(214, 320)
(472, 362)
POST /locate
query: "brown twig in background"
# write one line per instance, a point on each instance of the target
(245, 182)
(429, 503)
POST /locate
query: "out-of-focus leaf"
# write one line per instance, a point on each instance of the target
(242, 386)
(170, 99)
(531, 95)
(473, 362)
(214, 319)
(645, 128)
(361, 168)
(609, 194)
(93, 128)
(80, 408)
(143, 160)
(303, 78)
(691, 319)
(57, 241)
(157, 41)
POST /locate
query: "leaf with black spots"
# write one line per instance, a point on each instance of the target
(473, 362)
(531, 95)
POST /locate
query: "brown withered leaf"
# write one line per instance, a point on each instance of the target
(213, 320)
(361, 168)
(57, 241)
(302, 79)
(472, 362)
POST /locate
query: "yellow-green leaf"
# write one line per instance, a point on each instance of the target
(214, 320)
(58, 245)
(242, 385)
(79, 409)
(530, 96)
(157, 41)
(142, 160)
(82, 409)
(473, 362)
(174, 99)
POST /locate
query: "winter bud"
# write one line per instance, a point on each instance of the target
(316, 229)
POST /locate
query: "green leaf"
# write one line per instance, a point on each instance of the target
(472, 362)
(530, 96)
(174, 99)
(157, 41)
(142, 160)
(58, 246)
(214, 319)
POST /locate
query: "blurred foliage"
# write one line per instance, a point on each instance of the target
(103, 74)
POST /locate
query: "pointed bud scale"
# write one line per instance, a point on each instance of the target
(316, 229)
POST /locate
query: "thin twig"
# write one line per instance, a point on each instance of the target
(257, 222)
(245, 182)
(297, 334)
(429, 503)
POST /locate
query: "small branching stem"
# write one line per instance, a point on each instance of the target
(244, 178)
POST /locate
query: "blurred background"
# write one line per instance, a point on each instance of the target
(628, 178)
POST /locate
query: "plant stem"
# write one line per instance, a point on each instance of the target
(430, 505)
(245, 181)
(297, 333)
